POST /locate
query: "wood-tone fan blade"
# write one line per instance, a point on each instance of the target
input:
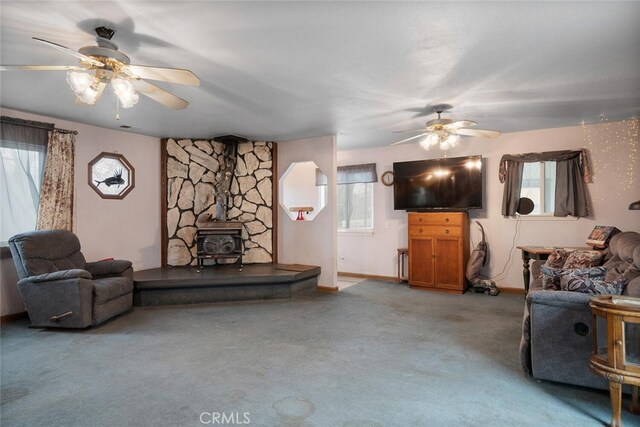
(409, 131)
(460, 124)
(171, 75)
(100, 89)
(486, 133)
(408, 139)
(159, 95)
(71, 52)
(40, 68)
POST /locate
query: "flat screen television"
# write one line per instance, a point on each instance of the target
(438, 184)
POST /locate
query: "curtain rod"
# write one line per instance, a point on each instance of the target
(74, 132)
(34, 124)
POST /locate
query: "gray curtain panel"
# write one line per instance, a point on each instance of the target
(572, 172)
(571, 194)
(512, 187)
(24, 131)
(354, 174)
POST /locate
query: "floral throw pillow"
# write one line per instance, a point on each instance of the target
(593, 285)
(557, 258)
(552, 278)
(583, 259)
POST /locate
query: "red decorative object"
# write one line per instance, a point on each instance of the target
(300, 210)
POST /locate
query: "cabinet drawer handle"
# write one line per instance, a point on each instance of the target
(446, 220)
(446, 231)
(419, 219)
(420, 230)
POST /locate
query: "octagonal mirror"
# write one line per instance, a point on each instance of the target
(111, 176)
(303, 191)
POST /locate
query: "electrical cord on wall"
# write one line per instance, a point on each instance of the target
(513, 246)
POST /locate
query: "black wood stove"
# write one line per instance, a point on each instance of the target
(219, 240)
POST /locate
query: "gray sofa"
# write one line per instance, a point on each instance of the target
(60, 289)
(557, 333)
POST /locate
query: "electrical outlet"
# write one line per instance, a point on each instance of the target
(386, 225)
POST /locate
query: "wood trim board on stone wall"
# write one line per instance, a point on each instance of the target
(163, 202)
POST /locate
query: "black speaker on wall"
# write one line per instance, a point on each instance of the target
(525, 206)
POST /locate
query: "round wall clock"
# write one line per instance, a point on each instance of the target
(387, 178)
(111, 176)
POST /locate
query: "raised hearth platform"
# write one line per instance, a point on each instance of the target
(222, 283)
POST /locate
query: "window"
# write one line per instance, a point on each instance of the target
(355, 197)
(355, 206)
(23, 150)
(554, 180)
(539, 185)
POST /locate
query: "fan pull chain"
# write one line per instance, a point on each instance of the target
(117, 108)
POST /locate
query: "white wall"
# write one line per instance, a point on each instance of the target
(613, 149)
(124, 229)
(310, 242)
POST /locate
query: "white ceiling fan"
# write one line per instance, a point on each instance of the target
(445, 132)
(103, 64)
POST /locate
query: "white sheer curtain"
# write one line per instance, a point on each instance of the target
(22, 157)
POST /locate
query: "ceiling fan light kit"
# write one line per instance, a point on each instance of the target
(441, 138)
(445, 133)
(81, 83)
(104, 64)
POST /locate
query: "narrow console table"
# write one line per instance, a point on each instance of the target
(538, 253)
(402, 253)
(528, 253)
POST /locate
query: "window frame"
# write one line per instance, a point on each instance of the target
(25, 147)
(543, 189)
(369, 188)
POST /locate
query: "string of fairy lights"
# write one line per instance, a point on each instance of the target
(608, 142)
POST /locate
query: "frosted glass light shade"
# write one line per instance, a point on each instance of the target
(79, 81)
(449, 142)
(88, 96)
(124, 91)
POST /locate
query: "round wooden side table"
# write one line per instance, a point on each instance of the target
(616, 348)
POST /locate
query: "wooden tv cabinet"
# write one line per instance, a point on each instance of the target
(438, 251)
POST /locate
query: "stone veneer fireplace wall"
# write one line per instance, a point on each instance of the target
(191, 166)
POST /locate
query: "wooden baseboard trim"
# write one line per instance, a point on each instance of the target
(508, 290)
(368, 276)
(15, 316)
(327, 289)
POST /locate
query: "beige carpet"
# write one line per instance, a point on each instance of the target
(376, 354)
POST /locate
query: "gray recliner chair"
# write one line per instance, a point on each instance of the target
(60, 289)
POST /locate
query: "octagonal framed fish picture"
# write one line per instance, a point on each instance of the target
(111, 176)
